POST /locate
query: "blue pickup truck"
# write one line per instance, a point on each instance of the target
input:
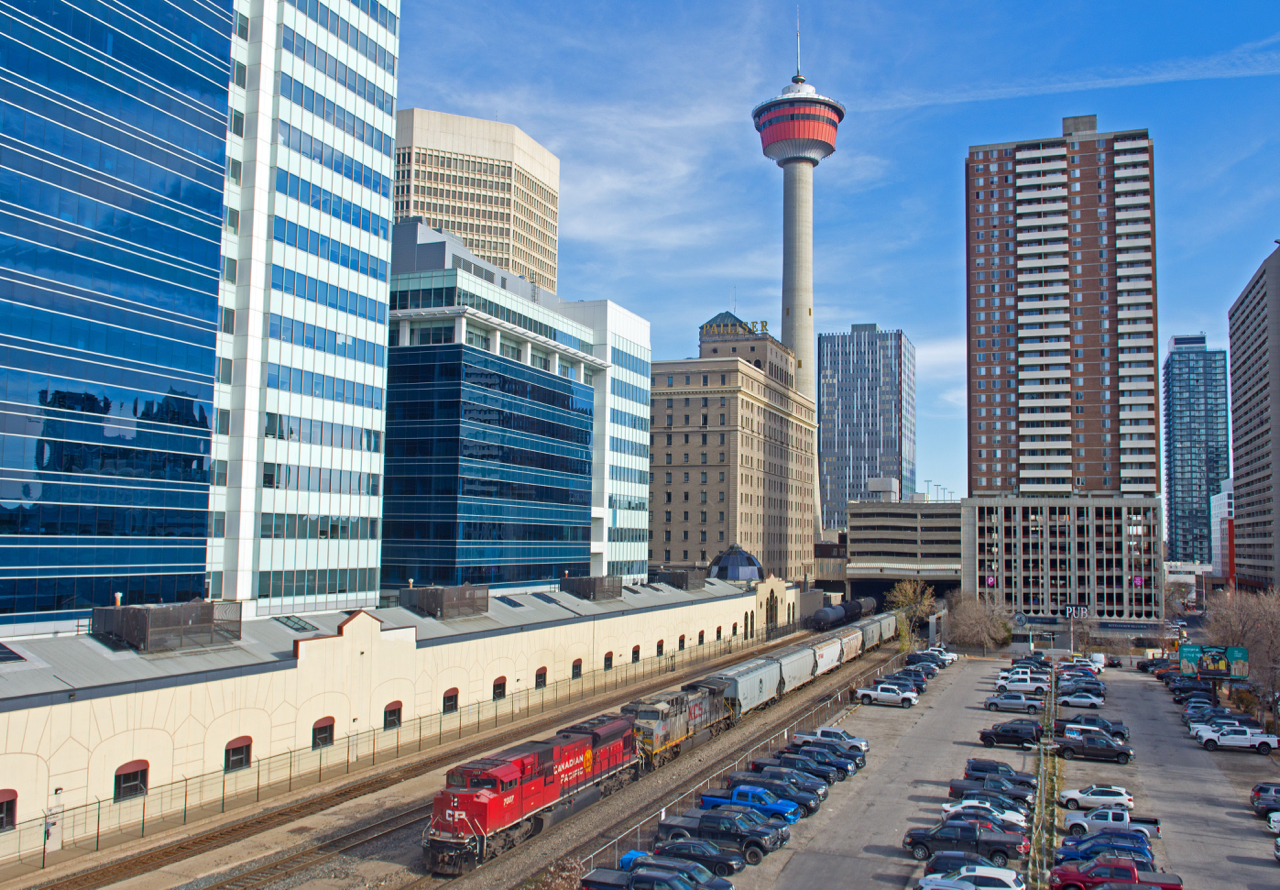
(763, 802)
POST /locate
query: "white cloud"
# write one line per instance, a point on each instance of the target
(941, 360)
(1243, 61)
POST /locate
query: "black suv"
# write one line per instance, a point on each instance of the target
(1265, 798)
(1009, 734)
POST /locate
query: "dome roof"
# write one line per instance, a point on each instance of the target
(736, 564)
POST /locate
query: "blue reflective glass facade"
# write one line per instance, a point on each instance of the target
(487, 470)
(112, 151)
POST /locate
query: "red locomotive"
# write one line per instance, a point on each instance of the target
(490, 805)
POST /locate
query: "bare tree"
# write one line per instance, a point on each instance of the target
(1175, 597)
(1251, 620)
(914, 600)
(977, 622)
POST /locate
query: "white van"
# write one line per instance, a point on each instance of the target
(1099, 661)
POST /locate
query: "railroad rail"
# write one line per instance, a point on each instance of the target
(194, 845)
(514, 869)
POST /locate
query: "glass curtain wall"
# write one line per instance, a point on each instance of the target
(488, 470)
(112, 149)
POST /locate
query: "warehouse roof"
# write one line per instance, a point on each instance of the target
(57, 669)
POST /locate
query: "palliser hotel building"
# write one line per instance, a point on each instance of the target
(733, 453)
(1064, 506)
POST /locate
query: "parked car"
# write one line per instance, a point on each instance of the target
(884, 694)
(1265, 798)
(996, 814)
(1241, 737)
(1081, 822)
(947, 657)
(699, 876)
(751, 816)
(1105, 870)
(808, 802)
(947, 862)
(1034, 687)
(971, 877)
(1117, 731)
(976, 768)
(905, 683)
(1081, 700)
(828, 774)
(705, 853)
(926, 659)
(837, 734)
(726, 830)
(1092, 746)
(997, 800)
(1103, 847)
(991, 784)
(997, 846)
(1124, 835)
(763, 802)
(1019, 734)
(644, 879)
(776, 772)
(1095, 796)
(845, 760)
(1013, 701)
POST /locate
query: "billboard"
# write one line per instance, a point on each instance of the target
(1214, 662)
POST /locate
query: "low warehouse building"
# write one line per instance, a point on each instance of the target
(93, 730)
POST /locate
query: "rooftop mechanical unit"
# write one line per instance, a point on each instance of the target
(168, 626)
(444, 603)
(681, 579)
(600, 587)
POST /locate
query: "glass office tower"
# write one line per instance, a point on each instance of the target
(1197, 455)
(112, 151)
(493, 426)
(866, 415)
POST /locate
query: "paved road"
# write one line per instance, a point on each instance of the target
(856, 839)
(1211, 837)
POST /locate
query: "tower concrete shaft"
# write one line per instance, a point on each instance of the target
(797, 270)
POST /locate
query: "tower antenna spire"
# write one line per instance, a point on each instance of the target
(798, 74)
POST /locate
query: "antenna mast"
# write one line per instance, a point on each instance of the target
(797, 40)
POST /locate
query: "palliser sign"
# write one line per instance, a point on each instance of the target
(743, 327)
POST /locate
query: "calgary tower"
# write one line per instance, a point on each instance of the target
(797, 130)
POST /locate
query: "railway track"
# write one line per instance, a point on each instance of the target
(644, 798)
(294, 862)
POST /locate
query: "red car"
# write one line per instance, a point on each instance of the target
(1106, 870)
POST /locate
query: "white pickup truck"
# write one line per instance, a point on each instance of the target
(1035, 687)
(1081, 823)
(884, 694)
(834, 734)
(1240, 737)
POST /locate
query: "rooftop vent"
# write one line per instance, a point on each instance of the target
(682, 579)
(599, 587)
(168, 626)
(446, 602)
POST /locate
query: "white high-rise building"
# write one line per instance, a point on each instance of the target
(620, 466)
(302, 348)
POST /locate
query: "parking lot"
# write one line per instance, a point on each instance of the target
(856, 839)
(1211, 837)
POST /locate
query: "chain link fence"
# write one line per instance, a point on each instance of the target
(643, 835)
(63, 834)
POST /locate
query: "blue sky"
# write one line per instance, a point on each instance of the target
(668, 207)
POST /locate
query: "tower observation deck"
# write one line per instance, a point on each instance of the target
(797, 130)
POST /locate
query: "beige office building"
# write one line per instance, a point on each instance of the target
(732, 454)
(486, 182)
